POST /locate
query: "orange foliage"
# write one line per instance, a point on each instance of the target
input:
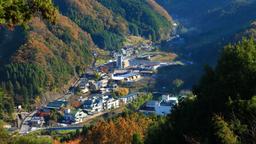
(56, 142)
(97, 11)
(45, 45)
(91, 7)
(119, 131)
(68, 24)
(37, 24)
(160, 10)
(77, 141)
(122, 91)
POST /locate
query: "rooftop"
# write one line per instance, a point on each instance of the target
(121, 77)
(151, 103)
(144, 108)
(57, 104)
(168, 103)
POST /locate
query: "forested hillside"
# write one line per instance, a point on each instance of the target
(109, 21)
(222, 109)
(45, 56)
(205, 26)
(210, 24)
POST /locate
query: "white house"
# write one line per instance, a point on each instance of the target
(129, 77)
(129, 98)
(37, 121)
(102, 83)
(161, 108)
(111, 103)
(85, 90)
(165, 105)
(74, 116)
(95, 86)
(93, 105)
(149, 107)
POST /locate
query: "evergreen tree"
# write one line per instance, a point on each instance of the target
(19, 12)
(223, 134)
(228, 90)
(136, 139)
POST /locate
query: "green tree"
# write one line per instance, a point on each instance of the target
(136, 139)
(228, 90)
(54, 115)
(177, 83)
(1, 103)
(6, 106)
(4, 136)
(139, 101)
(222, 132)
(233, 77)
(31, 140)
(19, 12)
(97, 76)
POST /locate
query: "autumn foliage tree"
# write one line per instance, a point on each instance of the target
(119, 131)
(122, 91)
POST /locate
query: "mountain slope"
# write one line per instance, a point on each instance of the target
(206, 26)
(210, 24)
(108, 21)
(45, 57)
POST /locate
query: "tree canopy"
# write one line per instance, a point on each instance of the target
(223, 108)
(19, 12)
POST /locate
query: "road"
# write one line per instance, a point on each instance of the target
(87, 120)
(25, 128)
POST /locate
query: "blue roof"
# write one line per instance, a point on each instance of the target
(88, 102)
(45, 110)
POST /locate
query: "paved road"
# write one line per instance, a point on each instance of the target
(25, 128)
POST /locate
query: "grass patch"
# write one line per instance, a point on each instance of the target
(164, 57)
(135, 40)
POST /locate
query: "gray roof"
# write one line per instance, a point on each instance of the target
(167, 103)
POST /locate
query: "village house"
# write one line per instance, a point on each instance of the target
(111, 103)
(96, 86)
(149, 107)
(37, 121)
(58, 104)
(166, 104)
(161, 108)
(44, 112)
(127, 77)
(74, 116)
(83, 86)
(129, 98)
(84, 90)
(93, 105)
(105, 90)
